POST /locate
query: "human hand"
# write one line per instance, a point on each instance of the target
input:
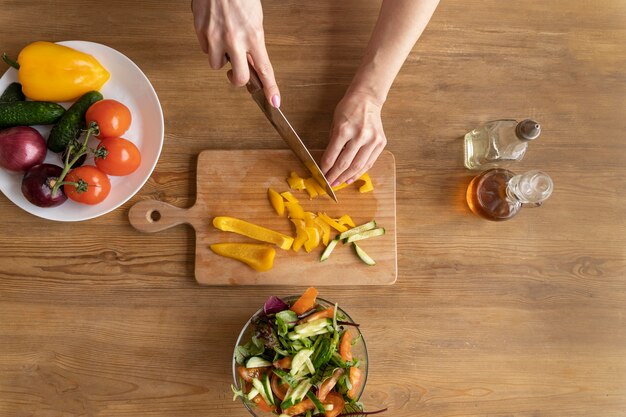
(235, 28)
(356, 138)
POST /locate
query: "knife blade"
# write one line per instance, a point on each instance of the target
(278, 119)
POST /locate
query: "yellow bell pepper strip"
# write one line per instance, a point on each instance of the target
(295, 182)
(289, 197)
(366, 187)
(51, 72)
(242, 227)
(309, 219)
(295, 210)
(277, 201)
(310, 188)
(314, 239)
(367, 183)
(258, 257)
(346, 221)
(325, 230)
(301, 234)
(338, 227)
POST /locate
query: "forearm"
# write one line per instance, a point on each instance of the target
(400, 23)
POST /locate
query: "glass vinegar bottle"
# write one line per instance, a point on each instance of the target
(499, 142)
(499, 194)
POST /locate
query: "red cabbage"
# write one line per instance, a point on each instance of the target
(274, 305)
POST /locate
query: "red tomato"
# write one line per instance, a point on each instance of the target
(121, 157)
(345, 346)
(91, 185)
(338, 403)
(113, 117)
(356, 379)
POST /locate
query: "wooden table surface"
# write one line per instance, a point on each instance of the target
(520, 318)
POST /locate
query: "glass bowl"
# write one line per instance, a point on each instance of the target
(359, 349)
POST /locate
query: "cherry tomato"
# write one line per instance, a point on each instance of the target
(91, 186)
(113, 117)
(120, 156)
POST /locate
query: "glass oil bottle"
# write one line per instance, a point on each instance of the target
(499, 142)
(499, 194)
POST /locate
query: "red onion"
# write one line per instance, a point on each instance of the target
(274, 305)
(21, 148)
(37, 185)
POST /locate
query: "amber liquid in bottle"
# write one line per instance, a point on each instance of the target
(487, 195)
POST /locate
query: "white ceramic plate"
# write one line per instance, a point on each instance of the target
(129, 85)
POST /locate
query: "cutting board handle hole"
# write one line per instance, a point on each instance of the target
(154, 216)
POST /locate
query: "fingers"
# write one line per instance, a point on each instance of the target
(335, 146)
(350, 161)
(263, 66)
(241, 72)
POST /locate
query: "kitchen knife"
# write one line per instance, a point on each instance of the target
(286, 131)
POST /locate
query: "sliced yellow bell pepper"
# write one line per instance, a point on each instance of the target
(332, 223)
(314, 239)
(52, 72)
(257, 256)
(325, 230)
(295, 210)
(310, 188)
(289, 197)
(301, 234)
(242, 227)
(295, 182)
(346, 221)
(367, 183)
(309, 219)
(277, 201)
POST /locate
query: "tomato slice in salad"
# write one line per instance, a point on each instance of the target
(356, 379)
(305, 302)
(279, 390)
(260, 402)
(345, 346)
(247, 374)
(337, 402)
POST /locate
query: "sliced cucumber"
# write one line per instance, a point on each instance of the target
(259, 386)
(329, 249)
(366, 235)
(359, 229)
(257, 362)
(363, 256)
(253, 393)
(268, 389)
(310, 366)
(297, 394)
(318, 404)
(313, 326)
(299, 359)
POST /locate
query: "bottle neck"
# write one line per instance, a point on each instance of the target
(530, 189)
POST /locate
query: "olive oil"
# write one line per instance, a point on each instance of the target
(498, 194)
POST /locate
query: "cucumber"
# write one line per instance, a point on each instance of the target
(298, 360)
(366, 235)
(359, 229)
(69, 127)
(257, 362)
(268, 388)
(12, 93)
(329, 249)
(318, 404)
(313, 327)
(363, 256)
(28, 113)
(258, 385)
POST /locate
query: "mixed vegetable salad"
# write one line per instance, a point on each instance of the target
(299, 360)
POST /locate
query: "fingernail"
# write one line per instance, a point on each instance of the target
(350, 181)
(335, 183)
(276, 100)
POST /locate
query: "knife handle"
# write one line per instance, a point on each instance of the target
(254, 84)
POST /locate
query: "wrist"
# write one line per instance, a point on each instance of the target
(370, 82)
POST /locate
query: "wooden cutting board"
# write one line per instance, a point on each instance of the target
(235, 183)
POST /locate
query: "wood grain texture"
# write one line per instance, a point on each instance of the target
(235, 183)
(523, 318)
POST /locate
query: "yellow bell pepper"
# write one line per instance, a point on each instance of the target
(367, 183)
(242, 227)
(259, 257)
(301, 234)
(277, 201)
(51, 72)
